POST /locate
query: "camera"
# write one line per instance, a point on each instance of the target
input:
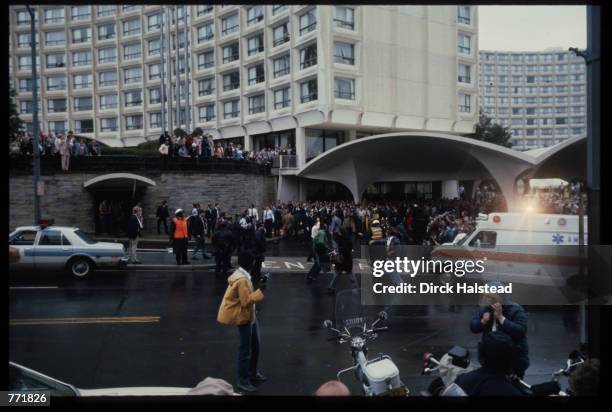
(264, 278)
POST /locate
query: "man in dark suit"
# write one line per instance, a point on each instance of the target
(162, 217)
(498, 314)
(197, 230)
(496, 357)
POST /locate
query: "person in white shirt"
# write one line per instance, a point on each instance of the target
(268, 218)
(313, 234)
(252, 212)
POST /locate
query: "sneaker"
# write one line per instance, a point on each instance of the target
(259, 378)
(246, 387)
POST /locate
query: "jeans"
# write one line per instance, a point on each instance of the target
(132, 250)
(248, 353)
(199, 245)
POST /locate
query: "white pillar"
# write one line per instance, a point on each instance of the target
(248, 143)
(351, 134)
(450, 189)
(300, 146)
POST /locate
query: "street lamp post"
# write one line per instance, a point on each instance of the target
(35, 125)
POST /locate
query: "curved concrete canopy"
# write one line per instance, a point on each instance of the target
(129, 177)
(565, 160)
(418, 156)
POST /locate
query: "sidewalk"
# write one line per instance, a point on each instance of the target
(166, 260)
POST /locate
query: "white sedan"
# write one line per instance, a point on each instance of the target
(36, 248)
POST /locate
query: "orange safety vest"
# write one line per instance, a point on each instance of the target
(180, 232)
(377, 233)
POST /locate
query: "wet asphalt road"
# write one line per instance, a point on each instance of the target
(158, 328)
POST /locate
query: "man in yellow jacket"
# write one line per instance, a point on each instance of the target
(238, 309)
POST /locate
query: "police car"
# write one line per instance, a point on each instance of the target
(51, 248)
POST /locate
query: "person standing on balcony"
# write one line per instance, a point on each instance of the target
(65, 153)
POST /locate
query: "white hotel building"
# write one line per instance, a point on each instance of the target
(540, 96)
(310, 76)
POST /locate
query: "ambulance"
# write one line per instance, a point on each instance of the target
(524, 248)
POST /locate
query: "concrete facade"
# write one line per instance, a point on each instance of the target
(69, 203)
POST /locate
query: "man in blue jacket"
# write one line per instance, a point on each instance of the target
(498, 314)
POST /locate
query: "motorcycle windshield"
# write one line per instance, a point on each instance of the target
(350, 313)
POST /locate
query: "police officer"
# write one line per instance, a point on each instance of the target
(179, 235)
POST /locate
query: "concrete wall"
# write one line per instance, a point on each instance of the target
(67, 202)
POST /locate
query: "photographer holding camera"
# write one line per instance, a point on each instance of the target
(238, 309)
(497, 314)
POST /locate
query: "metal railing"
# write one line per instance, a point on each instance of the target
(285, 162)
(145, 163)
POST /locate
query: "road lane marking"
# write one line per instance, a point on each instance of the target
(32, 287)
(80, 321)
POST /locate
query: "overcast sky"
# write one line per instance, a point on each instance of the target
(531, 28)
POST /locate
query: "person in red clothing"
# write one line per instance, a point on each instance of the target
(179, 235)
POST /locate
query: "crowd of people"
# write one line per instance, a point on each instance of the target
(565, 200)
(195, 146)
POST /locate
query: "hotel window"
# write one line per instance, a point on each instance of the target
(464, 45)
(577, 99)
(107, 78)
(577, 109)
(463, 14)
(257, 104)
(308, 56)
(107, 31)
(577, 130)
(530, 111)
(133, 122)
(154, 71)
(577, 67)
(231, 109)
(155, 95)
(83, 126)
(155, 120)
(56, 60)
(517, 111)
(207, 113)
(344, 17)
(25, 85)
(561, 110)
(107, 11)
(517, 79)
(546, 58)
(133, 98)
(82, 35)
(55, 38)
(231, 81)
(517, 100)
(131, 51)
(107, 55)
(255, 14)
(502, 79)
(56, 105)
(206, 60)
(578, 120)
(206, 87)
(464, 73)
(344, 53)
(256, 74)
(181, 41)
(153, 22)
(56, 83)
(280, 35)
(562, 89)
(578, 89)
(502, 68)
(229, 24)
(54, 15)
(82, 104)
(23, 18)
(516, 69)
(108, 101)
(531, 122)
(465, 103)
(26, 106)
(530, 79)
(81, 81)
(230, 53)
(276, 9)
(503, 90)
(205, 33)
(281, 66)
(108, 124)
(517, 58)
(58, 126)
(561, 78)
(561, 68)
(154, 47)
(517, 90)
(309, 91)
(131, 27)
(24, 40)
(81, 13)
(517, 122)
(344, 88)
(132, 75)
(546, 68)
(255, 44)
(282, 98)
(531, 69)
(577, 77)
(81, 58)
(308, 22)
(202, 9)
(560, 120)
(127, 9)
(503, 111)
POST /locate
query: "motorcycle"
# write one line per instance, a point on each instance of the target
(553, 387)
(379, 376)
(453, 363)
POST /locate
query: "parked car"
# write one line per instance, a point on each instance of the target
(26, 380)
(51, 248)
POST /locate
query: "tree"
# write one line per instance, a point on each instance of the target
(179, 132)
(198, 131)
(491, 132)
(15, 123)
